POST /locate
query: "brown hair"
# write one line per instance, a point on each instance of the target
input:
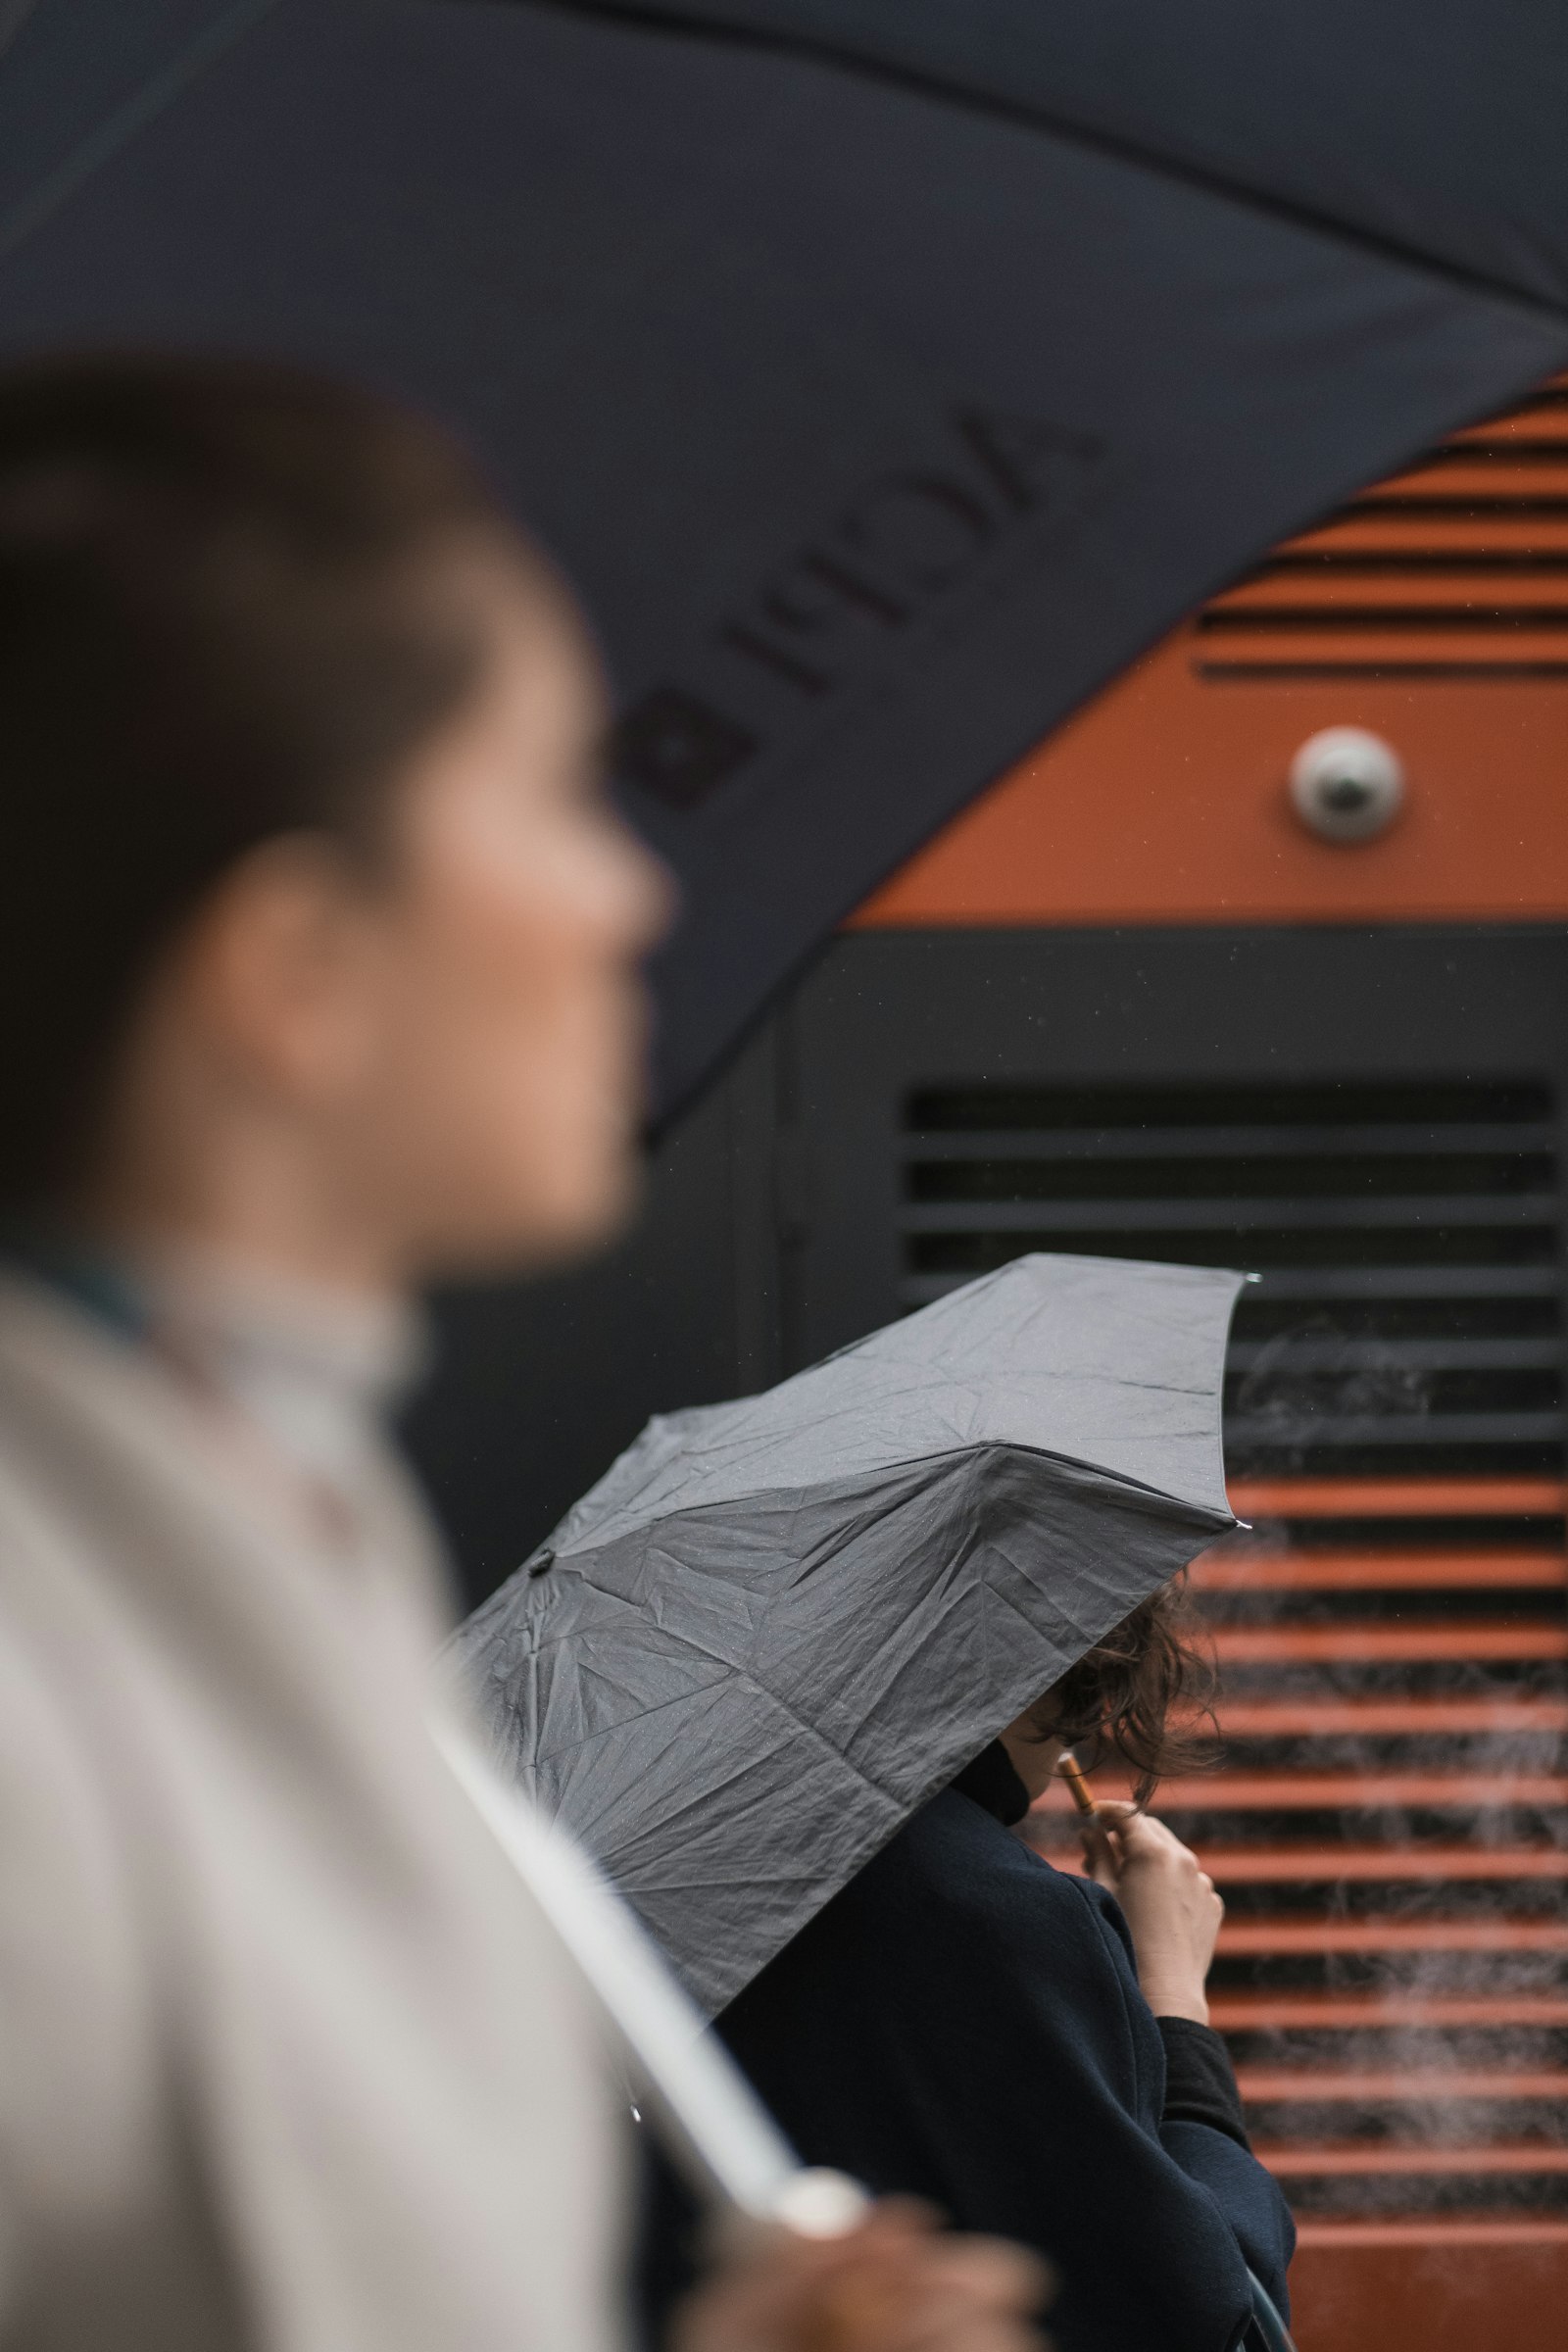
(220, 621)
(1144, 1692)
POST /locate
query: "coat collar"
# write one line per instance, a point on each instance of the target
(993, 1784)
(126, 1451)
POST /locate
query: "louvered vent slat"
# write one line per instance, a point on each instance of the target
(1403, 539)
(1390, 1827)
(1457, 568)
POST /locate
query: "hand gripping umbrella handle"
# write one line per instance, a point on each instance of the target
(729, 2148)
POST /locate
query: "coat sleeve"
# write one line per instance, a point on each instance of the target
(75, 2087)
(964, 2022)
(1203, 2125)
(1061, 1972)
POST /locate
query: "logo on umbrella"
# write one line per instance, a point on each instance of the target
(908, 540)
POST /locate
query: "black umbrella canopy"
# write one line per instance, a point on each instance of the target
(776, 1627)
(887, 376)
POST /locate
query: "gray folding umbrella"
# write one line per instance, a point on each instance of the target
(776, 1627)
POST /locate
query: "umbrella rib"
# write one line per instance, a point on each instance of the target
(902, 75)
(161, 90)
(1220, 1517)
(734, 1669)
(155, 96)
(645, 1714)
(14, 14)
(812, 1732)
(737, 1669)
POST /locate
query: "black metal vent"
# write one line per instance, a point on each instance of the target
(1408, 1317)
(1456, 569)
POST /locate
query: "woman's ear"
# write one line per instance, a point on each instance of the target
(279, 976)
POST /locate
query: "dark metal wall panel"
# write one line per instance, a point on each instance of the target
(1374, 1120)
(770, 1231)
(1361, 1106)
(537, 1385)
(886, 1012)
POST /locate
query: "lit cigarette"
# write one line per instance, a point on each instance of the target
(1083, 1796)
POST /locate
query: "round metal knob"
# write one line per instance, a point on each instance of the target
(1346, 784)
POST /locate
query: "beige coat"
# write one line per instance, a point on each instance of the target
(287, 2060)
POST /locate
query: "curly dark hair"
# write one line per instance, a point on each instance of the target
(1145, 1692)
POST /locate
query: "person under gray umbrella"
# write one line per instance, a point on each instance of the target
(1031, 2049)
(792, 1671)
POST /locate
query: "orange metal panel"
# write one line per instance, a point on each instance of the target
(1323, 1792)
(1165, 801)
(1396, 1936)
(1374, 1571)
(1326, 1792)
(1263, 1643)
(1223, 648)
(1464, 2229)
(1311, 1865)
(1469, 474)
(1546, 424)
(1507, 536)
(1250, 2012)
(1269, 1718)
(1448, 2285)
(1413, 2086)
(1503, 591)
(1277, 1865)
(1412, 2157)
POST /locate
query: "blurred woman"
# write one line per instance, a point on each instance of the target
(318, 977)
(1030, 2048)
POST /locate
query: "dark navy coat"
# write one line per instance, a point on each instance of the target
(963, 2022)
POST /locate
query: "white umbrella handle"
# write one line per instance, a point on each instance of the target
(726, 2142)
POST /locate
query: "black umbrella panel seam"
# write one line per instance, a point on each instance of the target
(161, 90)
(157, 94)
(1204, 1522)
(692, 26)
(1220, 1522)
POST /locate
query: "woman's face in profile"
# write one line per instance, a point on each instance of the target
(501, 1102)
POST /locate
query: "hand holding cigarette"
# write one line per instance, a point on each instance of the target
(1172, 1911)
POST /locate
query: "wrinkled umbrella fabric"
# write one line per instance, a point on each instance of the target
(776, 1627)
(887, 373)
